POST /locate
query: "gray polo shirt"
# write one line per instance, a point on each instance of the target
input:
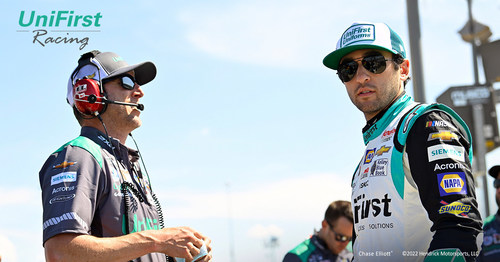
(81, 190)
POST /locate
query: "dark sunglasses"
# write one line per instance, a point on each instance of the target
(375, 63)
(126, 81)
(339, 237)
(496, 183)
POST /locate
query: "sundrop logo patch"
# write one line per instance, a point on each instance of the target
(63, 177)
(444, 151)
(452, 183)
(369, 156)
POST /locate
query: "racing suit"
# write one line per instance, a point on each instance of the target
(490, 251)
(413, 191)
(89, 189)
(314, 249)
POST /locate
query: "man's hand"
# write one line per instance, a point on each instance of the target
(183, 242)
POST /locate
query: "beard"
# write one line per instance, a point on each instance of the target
(383, 99)
(122, 117)
(385, 93)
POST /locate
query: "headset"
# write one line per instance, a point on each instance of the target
(88, 94)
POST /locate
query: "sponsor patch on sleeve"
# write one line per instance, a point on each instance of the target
(64, 164)
(440, 123)
(452, 183)
(443, 136)
(454, 208)
(444, 151)
(63, 177)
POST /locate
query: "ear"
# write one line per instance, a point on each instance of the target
(324, 224)
(404, 69)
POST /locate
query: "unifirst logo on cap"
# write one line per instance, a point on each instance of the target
(356, 33)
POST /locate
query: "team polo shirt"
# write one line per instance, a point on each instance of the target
(82, 193)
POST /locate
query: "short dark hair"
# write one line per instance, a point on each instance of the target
(398, 60)
(338, 209)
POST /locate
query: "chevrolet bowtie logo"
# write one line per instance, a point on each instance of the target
(443, 136)
(382, 150)
(64, 164)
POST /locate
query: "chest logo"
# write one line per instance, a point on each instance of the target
(383, 149)
(369, 156)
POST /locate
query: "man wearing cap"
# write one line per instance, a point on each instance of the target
(413, 192)
(490, 251)
(98, 203)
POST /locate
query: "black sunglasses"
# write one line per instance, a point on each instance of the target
(339, 237)
(126, 81)
(496, 183)
(375, 63)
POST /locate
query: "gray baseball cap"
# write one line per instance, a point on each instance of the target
(106, 65)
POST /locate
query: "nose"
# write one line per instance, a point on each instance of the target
(138, 92)
(362, 75)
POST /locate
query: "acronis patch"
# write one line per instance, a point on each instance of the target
(452, 183)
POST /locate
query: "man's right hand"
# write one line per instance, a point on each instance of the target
(182, 242)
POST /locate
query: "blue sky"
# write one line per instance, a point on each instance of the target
(246, 135)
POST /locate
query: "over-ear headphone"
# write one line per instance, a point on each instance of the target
(88, 94)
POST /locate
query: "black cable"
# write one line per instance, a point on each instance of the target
(125, 215)
(161, 220)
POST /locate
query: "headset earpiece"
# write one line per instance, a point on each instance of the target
(87, 96)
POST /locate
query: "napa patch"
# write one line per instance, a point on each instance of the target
(369, 154)
(452, 183)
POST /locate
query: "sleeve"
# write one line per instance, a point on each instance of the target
(290, 257)
(438, 153)
(69, 181)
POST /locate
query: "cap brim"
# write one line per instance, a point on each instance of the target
(493, 172)
(332, 60)
(144, 72)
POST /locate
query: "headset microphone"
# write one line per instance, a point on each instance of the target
(92, 99)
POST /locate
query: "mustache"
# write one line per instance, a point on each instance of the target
(361, 86)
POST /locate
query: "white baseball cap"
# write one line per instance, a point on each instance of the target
(365, 35)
